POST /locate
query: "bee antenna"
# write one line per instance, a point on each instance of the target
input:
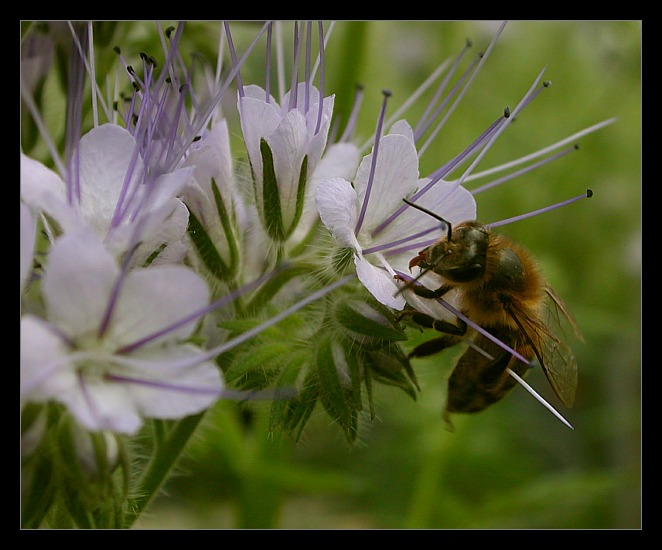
(433, 214)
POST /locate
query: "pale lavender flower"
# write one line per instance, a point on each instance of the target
(106, 351)
(285, 140)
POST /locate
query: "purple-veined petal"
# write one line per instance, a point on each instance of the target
(337, 206)
(77, 283)
(454, 204)
(28, 229)
(175, 393)
(289, 144)
(45, 367)
(396, 176)
(43, 191)
(106, 153)
(379, 282)
(154, 298)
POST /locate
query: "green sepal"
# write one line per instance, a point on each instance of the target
(273, 215)
(336, 397)
(391, 366)
(301, 407)
(268, 290)
(38, 492)
(301, 193)
(258, 366)
(367, 323)
(224, 270)
(206, 249)
(281, 409)
(228, 227)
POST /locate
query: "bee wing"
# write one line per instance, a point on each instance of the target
(548, 337)
(557, 314)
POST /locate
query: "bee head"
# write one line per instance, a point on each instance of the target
(460, 257)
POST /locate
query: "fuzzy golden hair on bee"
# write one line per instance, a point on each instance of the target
(502, 292)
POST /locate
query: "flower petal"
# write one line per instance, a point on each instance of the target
(106, 153)
(396, 176)
(154, 298)
(179, 393)
(45, 371)
(28, 230)
(380, 283)
(43, 191)
(336, 203)
(77, 283)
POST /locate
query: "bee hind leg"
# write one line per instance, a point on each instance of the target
(432, 346)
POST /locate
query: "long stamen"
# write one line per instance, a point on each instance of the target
(482, 331)
(233, 56)
(375, 150)
(466, 87)
(267, 63)
(540, 399)
(588, 194)
(425, 122)
(228, 298)
(524, 170)
(230, 344)
(294, 88)
(320, 106)
(539, 153)
(306, 72)
(348, 133)
(419, 132)
(208, 111)
(440, 173)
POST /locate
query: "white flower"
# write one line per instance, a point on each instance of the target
(109, 352)
(213, 198)
(368, 215)
(28, 230)
(111, 191)
(293, 133)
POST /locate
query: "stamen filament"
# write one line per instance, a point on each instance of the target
(541, 152)
(209, 354)
(588, 194)
(373, 163)
(523, 171)
(540, 399)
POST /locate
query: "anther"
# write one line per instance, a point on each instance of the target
(506, 112)
(589, 193)
(169, 31)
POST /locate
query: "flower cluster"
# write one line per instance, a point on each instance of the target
(159, 273)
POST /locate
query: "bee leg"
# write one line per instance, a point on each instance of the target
(425, 292)
(432, 346)
(436, 344)
(442, 326)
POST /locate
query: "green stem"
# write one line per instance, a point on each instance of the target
(164, 458)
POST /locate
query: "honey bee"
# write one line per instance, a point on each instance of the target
(501, 289)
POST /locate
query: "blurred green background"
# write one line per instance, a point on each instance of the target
(513, 465)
